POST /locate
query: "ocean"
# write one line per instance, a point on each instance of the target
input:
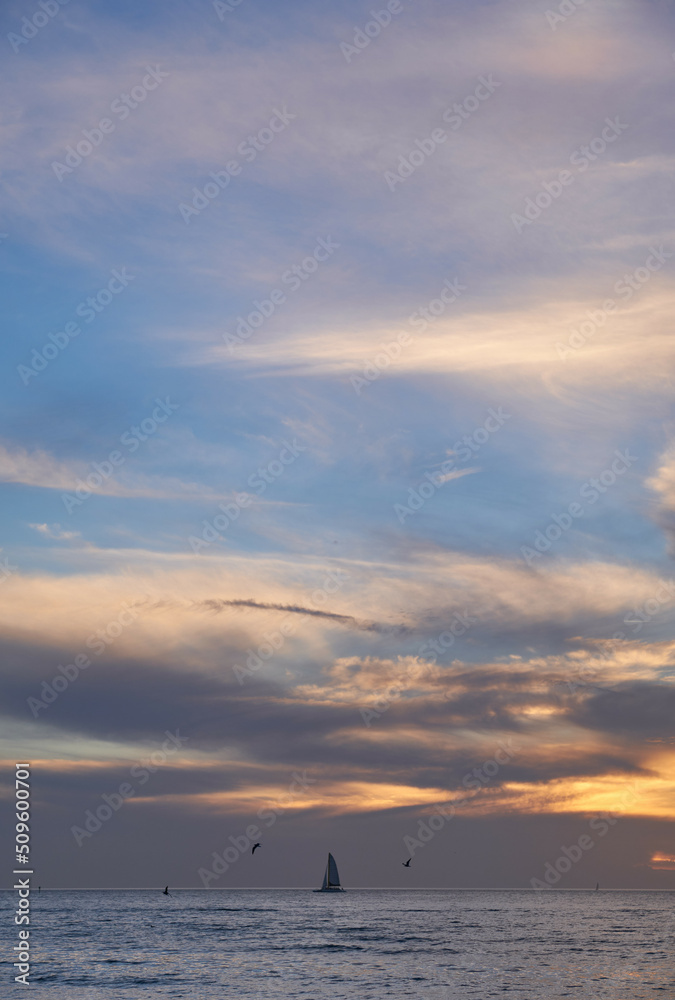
(364, 943)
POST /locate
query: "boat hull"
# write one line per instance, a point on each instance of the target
(333, 888)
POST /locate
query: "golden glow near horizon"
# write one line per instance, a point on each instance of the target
(662, 862)
(315, 789)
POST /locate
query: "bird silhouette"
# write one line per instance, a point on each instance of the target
(406, 864)
(253, 849)
(166, 892)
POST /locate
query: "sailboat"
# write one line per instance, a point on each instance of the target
(331, 878)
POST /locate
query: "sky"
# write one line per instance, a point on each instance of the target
(338, 456)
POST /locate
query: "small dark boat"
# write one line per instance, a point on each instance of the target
(331, 878)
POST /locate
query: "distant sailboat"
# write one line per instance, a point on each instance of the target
(331, 878)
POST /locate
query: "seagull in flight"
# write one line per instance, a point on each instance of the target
(406, 864)
(166, 892)
(253, 849)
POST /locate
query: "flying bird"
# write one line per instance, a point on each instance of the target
(406, 864)
(166, 892)
(253, 850)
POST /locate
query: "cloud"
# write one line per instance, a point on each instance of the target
(662, 862)
(581, 721)
(662, 484)
(400, 602)
(56, 532)
(663, 480)
(40, 469)
(455, 474)
(430, 739)
(638, 709)
(37, 468)
(217, 605)
(518, 346)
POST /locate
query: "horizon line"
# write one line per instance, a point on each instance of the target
(356, 888)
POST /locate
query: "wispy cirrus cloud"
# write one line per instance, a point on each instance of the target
(55, 532)
(40, 469)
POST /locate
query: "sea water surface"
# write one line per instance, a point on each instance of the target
(363, 943)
